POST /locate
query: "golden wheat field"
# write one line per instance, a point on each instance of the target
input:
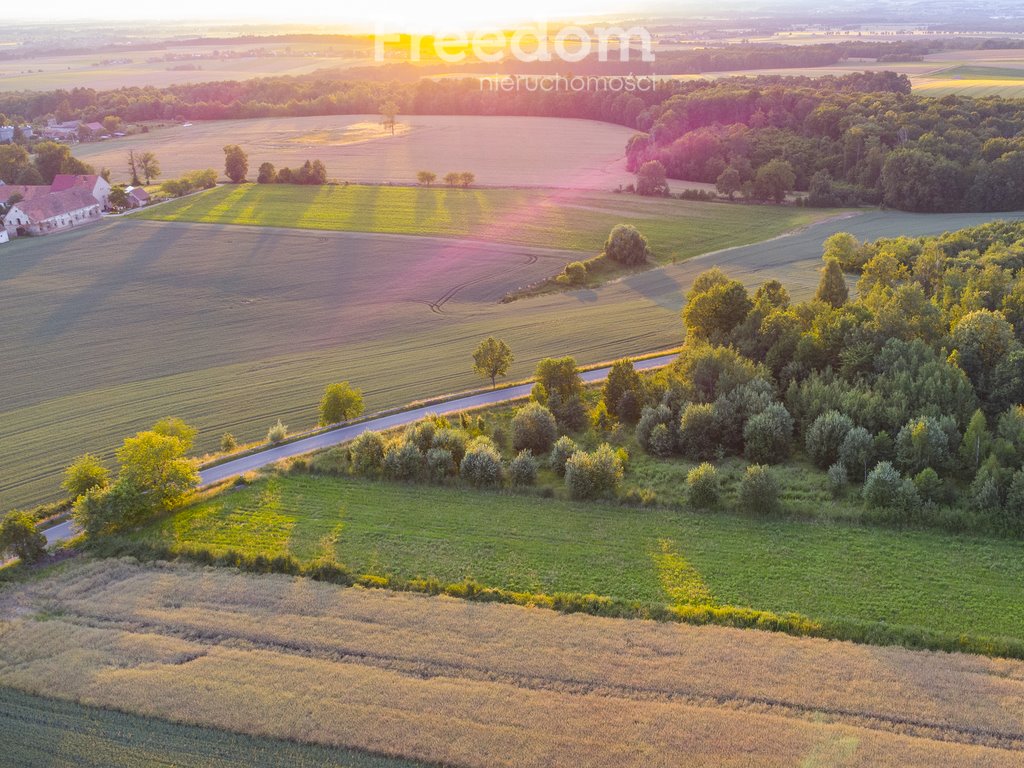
(473, 684)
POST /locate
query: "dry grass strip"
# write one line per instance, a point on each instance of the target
(474, 684)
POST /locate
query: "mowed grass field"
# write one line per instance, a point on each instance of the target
(109, 328)
(570, 220)
(501, 151)
(483, 685)
(48, 733)
(825, 571)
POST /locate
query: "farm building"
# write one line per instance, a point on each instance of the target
(4, 237)
(55, 212)
(97, 186)
(137, 197)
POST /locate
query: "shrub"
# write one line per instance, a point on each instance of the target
(440, 464)
(563, 448)
(601, 419)
(626, 246)
(277, 432)
(452, 440)
(421, 434)
(87, 472)
(768, 435)
(662, 442)
(857, 451)
(334, 461)
(19, 537)
(367, 453)
(883, 486)
(698, 432)
(594, 475)
(576, 272)
(570, 413)
(825, 436)
(759, 491)
(481, 466)
(1014, 507)
(534, 429)
(228, 443)
(649, 419)
(929, 485)
(836, 480)
(522, 470)
(702, 486)
(622, 378)
(403, 460)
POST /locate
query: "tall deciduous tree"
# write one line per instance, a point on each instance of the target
(492, 359)
(148, 165)
(236, 163)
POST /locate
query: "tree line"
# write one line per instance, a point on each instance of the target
(843, 145)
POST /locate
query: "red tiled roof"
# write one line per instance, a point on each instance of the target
(7, 191)
(41, 207)
(64, 181)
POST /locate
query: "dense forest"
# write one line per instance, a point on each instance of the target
(911, 388)
(874, 145)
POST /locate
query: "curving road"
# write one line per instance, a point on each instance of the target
(228, 469)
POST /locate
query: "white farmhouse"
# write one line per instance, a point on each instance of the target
(55, 212)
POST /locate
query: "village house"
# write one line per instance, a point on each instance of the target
(53, 212)
(66, 131)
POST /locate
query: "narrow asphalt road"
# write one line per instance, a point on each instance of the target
(229, 469)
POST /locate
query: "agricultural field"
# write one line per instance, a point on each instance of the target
(104, 71)
(49, 732)
(828, 572)
(457, 683)
(568, 220)
(232, 327)
(501, 151)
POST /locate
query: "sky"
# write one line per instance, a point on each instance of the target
(412, 15)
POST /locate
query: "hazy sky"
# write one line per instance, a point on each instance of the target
(435, 14)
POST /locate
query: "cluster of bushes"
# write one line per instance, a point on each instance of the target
(190, 182)
(154, 475)
(311, 172)
(911, 390)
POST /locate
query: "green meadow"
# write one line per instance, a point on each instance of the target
(565, 220)
(827, 571)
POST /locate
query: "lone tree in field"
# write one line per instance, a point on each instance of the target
(492, 359)
(389, 115)
(626, 246)
(236, 163)
(466, 179)
(340, 403)
(651, 180)
(148, 165)
(453, 179)
(426, 178)
(832, 288)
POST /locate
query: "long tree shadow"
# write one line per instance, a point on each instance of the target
(658, 286)
(76, 307)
